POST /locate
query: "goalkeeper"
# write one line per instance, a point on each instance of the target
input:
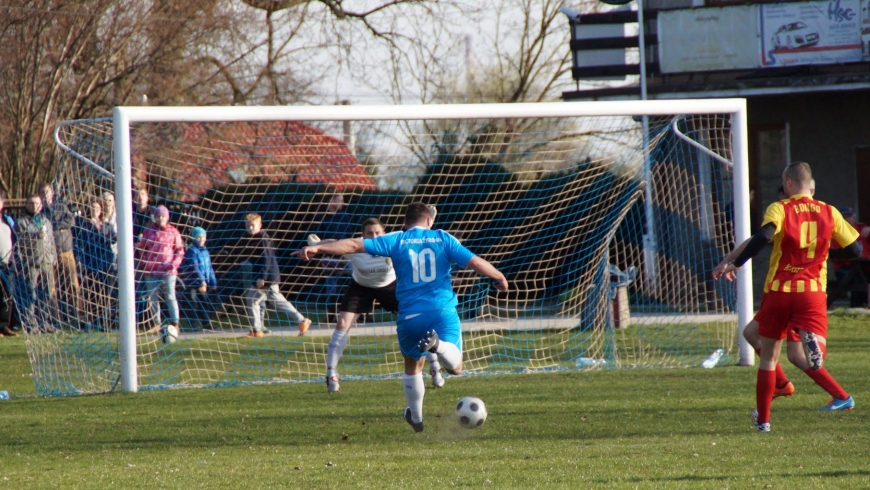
(373, 278)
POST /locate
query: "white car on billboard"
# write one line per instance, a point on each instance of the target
(795, 35)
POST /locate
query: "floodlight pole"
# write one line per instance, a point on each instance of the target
(650, 243)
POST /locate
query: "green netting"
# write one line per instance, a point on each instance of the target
(557, 204)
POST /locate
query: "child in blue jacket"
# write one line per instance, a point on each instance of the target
(199, 280)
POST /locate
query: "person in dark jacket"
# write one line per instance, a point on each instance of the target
(334, 224)
(266, 278)
(7, 241)
(62, 222)
(96, 264)
(199, 280)
(142, 213)
(35, 258)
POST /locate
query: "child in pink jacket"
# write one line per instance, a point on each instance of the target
(159, 252)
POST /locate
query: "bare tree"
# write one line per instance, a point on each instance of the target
(72, 59)
(77, 59)
(287, 51)
(480, 51)
(530, 53)
(514, 51)
(488, 51)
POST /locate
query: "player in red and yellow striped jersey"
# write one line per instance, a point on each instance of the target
(794, 292)
(796, 355)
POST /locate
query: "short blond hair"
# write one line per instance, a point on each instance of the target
(799, 172)
(253, 217)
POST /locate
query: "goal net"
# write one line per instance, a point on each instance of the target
(607, 242)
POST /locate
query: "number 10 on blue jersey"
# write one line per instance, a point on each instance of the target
(419, 263)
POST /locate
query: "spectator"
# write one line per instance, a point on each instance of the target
(35, 258)
(159, 253)
(5, 217)
(110, 222)
(142, 213)
(108, 215)
(334, 224)
(93, 251)
(198, 276)
(266, 279)
(96, 219)
(62, 222)
(6, 308)
(104, 228)
(862, 229)
(95, 214)
(857, 299)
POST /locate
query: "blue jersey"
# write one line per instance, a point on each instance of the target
(422, 261)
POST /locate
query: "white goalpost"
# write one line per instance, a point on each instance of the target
(554, 194)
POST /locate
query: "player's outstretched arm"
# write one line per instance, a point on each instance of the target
(737, 251)
(484, 268)
(721, 269)
(740, 255)
(341, 247)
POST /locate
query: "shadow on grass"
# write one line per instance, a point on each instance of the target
(700, 478)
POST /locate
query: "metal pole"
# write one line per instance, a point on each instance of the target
(650, 243)
(642, 47)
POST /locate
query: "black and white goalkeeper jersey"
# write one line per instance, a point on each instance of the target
(371, 271)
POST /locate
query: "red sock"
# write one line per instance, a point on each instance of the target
(781, 378)
(828, 383)
(764, 393)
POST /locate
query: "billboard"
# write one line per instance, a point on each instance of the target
(708, 39)
(762, 35)
(865, 27)
(810, 33)
(725, 3)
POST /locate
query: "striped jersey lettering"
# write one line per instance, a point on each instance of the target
(804, 229)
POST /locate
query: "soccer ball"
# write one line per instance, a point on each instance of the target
(169, 334)
(470, 412)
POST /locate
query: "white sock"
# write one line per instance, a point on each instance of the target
(433, 361)
(449, 354)
(334, 351)
(414, 391)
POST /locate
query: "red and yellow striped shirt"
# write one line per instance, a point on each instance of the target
(804, 229)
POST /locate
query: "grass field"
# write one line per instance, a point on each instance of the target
(679, 428)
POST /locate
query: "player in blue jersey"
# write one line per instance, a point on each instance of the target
(427, 321)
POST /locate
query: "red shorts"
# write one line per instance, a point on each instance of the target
(781, 314)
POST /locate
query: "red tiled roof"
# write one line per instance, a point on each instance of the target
(199, 156)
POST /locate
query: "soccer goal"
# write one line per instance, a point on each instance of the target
(608, 243)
